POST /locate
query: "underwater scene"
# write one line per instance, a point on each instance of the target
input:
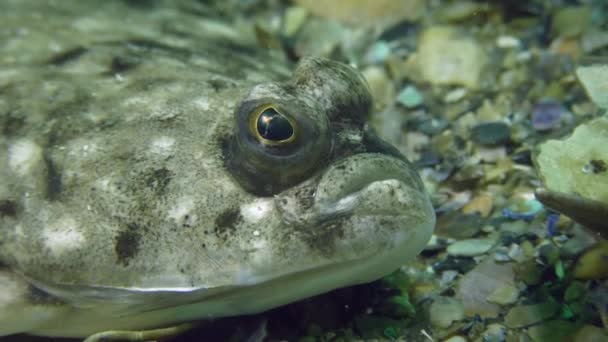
(300, 170)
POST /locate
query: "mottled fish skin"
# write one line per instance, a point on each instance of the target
(135, 192)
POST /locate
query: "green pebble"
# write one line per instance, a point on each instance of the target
(410, 97)
(491, 133)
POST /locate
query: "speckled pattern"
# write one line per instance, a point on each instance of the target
(120, 175)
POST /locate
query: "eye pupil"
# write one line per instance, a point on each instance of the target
(273, 126)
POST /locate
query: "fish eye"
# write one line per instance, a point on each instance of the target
(271, 127)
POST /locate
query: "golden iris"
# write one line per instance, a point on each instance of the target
(271, 127)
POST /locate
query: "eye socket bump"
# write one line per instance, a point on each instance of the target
(270, 127)
(276, 144)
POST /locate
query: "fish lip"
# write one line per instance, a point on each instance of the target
(396, 174)
(342, 188)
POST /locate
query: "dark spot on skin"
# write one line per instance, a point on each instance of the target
(322, 238)
(122, 63)
(217, 84)
(158, 180)
(305, 197)
(141, 4)
(53, 178)
(37, 296)
(67, 56)
(12, 124)
(226, 222)
(598, 166)
(8, 208)
(148, 45)
(126, 244)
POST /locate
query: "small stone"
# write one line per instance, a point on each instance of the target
(528, 248)
(547, 115)
(481, 204)
(294, 18)
(381, 87)
(455, 95)
(526, 315)
(516, 253)
(491, 133)
(459, 10)
(470, 247)
(410, 97)
(501, 254)
(445, 310)
(593, 264)
(494, 333)
(461, 265)
(377, 53)
(549, 253)
(522, 208)
(571, 21)
(590, 333)
(366, 12)
(595, 40)
(491, 154)
(507, 42)
(552, 331)
(456, 339)
(594, 79)
(475, 286)
(447, 277)
(446, 57)
(529, 272)
(504, 295)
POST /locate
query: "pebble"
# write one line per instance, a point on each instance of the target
(494, 333)
(529, 272)
(470, 247)
(501, 254)
(479, 283)
(547, 115)
(526, 315)
(590, 333)
(593, 264)
(445, 310)
(381, 87)
(410, 97)
(504, 295)
(481, 204)
(571, 21)
(455, 95)
(594, 79)
(507, 42)
(556, 330)
(458, 226)
(456, 339)
(516, 253)
(446, 57)
(490, 154)
(447, 277)
(491, 133)
(366, 12)
(461, 265)
(377, 53)
(549, 253)
(594, 40)
(294, 18)
(459, 10)
(523, 209)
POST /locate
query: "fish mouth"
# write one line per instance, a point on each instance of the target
(375, 203)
